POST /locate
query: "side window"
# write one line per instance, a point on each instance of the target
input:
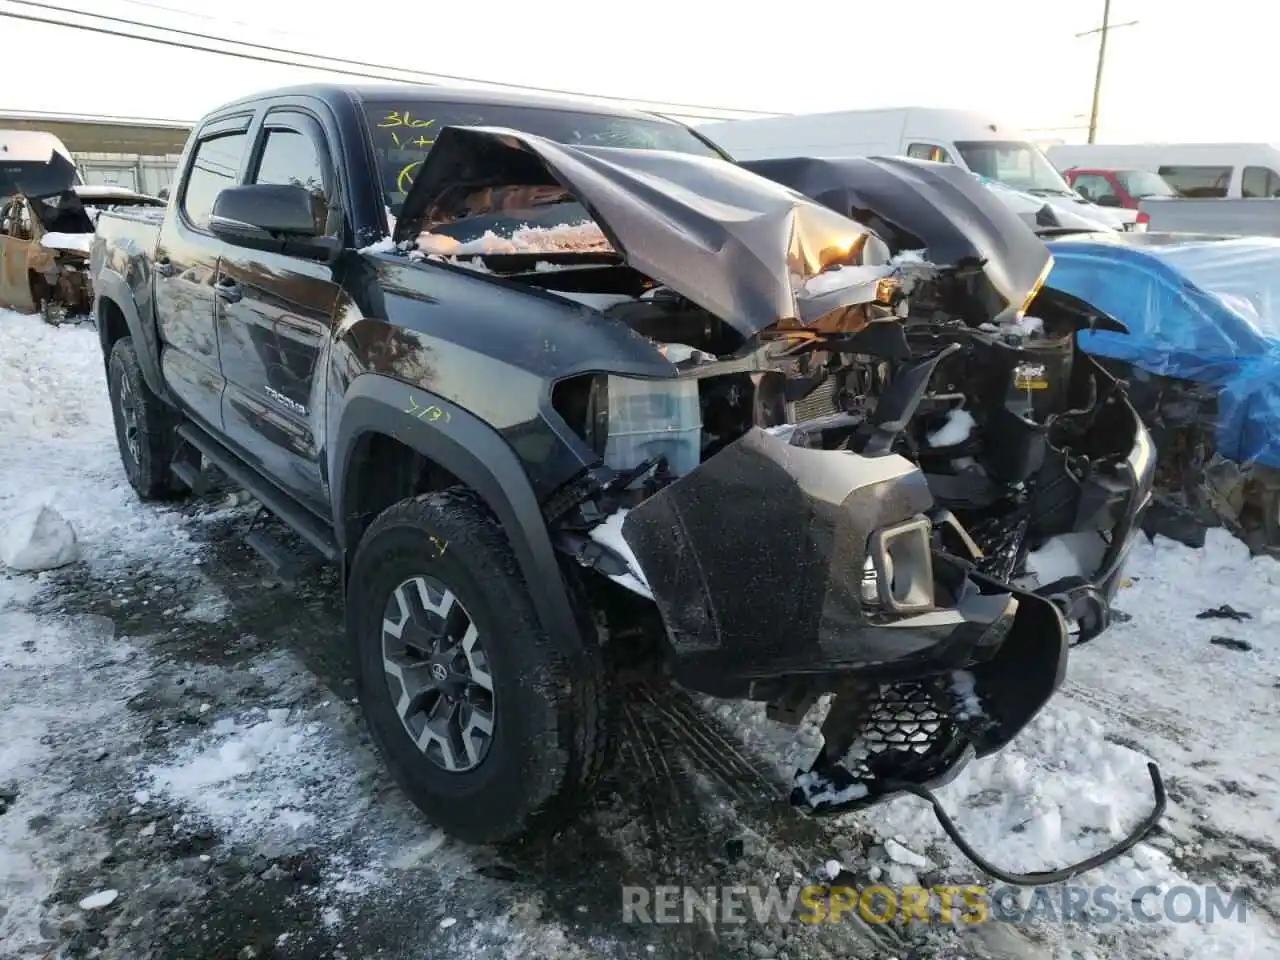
(1093, 186)
(215, 166)
(1259, 182)
(292, 157)
(1198, 182)
(927, 151)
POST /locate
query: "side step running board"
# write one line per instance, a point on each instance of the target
(297, 518)
(187, 465)
(287, 564)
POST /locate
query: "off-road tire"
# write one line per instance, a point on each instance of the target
(146, 466)
(552, 711)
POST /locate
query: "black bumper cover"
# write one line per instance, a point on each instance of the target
(756, 561)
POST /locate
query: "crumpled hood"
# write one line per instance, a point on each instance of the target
(735, 243)
(915, 204)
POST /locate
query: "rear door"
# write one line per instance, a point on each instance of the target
(274, 313)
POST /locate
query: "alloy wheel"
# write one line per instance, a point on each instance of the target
(438, 674)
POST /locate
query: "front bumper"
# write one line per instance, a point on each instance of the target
(783, 571)
(1110, 505)
(772, 561)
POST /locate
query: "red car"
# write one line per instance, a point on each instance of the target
(1118, 188)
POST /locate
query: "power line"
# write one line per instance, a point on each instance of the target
(280, 52)
(256, 28)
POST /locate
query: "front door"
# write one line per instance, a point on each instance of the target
(186, 265)
(274, 313)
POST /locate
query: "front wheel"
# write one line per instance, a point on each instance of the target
(144, 426)
(492, 731)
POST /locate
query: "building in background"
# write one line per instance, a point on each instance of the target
(139, 154)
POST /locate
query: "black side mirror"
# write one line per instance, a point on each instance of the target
(279, 218)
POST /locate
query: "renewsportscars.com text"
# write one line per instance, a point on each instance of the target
(941, 904)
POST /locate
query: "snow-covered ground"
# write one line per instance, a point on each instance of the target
(1154, 687)
(182, 770)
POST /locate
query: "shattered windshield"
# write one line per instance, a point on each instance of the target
(403, 132)
(553, 223)
(1016, 163)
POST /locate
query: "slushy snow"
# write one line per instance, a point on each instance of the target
(1152, 687)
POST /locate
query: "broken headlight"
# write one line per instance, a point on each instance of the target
(628, 420)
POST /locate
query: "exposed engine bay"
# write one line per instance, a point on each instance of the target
(1015, 429)
(1010, 422)
(874, 420)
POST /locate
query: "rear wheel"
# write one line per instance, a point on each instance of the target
(492, 731)
(144, 426)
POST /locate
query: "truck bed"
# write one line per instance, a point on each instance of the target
(127, 233)
(1228, 216)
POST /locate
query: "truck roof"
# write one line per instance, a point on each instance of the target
(359, 93)
(30, 146)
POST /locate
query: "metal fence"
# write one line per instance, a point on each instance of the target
(142, 173)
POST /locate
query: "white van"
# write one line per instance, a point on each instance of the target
(970, 140)
(1198, 170)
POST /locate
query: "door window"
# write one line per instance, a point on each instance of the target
(1259, 182)
(215, 166)
(1198, 182)
(292, 157)
(928, 151)
(1096, 188)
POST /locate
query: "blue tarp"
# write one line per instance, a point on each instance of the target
(1203, 309)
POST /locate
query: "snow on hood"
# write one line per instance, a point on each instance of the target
(585, 237)
(914, 204)
(79, 242)
(737, 244)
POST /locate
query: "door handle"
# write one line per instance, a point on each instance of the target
(228, 291)
(164, 267)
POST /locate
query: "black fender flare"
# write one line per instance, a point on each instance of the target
(111, 286)
(479, 457)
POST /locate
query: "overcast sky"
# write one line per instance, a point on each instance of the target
(1187, 71)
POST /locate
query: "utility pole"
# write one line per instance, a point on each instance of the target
(1102, 31)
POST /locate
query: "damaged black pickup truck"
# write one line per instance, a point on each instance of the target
(561, 387)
